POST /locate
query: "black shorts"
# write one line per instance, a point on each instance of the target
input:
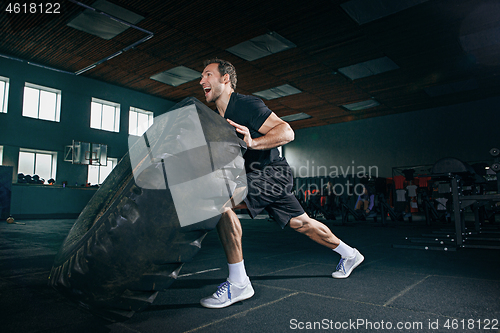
(271, 189)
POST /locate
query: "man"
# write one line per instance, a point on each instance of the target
(269, 179)
(365, 201)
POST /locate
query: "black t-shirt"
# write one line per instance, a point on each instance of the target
(250, 111)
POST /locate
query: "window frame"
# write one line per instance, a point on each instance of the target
(136, 110)
(57, 111)
(116, 106)
(110, 161)
(53, 166)
(4, 94)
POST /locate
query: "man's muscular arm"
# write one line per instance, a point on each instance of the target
(276, 133)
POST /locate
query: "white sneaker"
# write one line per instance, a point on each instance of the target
(347, 265)
(228, 293)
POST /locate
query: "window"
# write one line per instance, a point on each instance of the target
(139, 121)
(1, 155)
(105, 115)
(37, 162)
(4, 94)
(97, 174)
(41, 102)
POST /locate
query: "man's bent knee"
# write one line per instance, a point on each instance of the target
(299, 222)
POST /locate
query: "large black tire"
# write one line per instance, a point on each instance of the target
(128, 244)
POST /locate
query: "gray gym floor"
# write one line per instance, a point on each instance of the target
(418, 289)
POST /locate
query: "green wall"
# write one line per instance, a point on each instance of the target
(16, 131)
(465, 131)
(77, 92)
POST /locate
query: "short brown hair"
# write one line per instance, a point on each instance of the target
(225, 67)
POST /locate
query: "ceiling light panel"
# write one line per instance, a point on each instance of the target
(368, 104)
(296, 116)
(364, 11)
(261, 46)
(277, 92)
(369, 68)
(177, 76)
(100, 25)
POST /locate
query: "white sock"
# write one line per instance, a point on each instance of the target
(237, 273)
(344, 250)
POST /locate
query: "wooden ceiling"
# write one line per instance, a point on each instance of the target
(424, 41)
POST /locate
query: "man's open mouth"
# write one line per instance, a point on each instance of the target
(207, 90)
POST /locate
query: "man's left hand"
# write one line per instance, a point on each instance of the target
(243, 130)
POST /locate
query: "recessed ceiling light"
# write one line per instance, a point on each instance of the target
(368, 104)
(177, 76)
(277, 92)
(368, 68)
(261, 46)
(101, 25)
(364, 11)
(296, 116)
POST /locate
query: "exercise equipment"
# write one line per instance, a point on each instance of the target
(386, 210)
(134, 235)
(314, 206)
(432, 214)
(381, 208)
(358, 215)
(314, 196)
(465, 189)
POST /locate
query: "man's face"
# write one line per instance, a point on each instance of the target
(212, 82)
